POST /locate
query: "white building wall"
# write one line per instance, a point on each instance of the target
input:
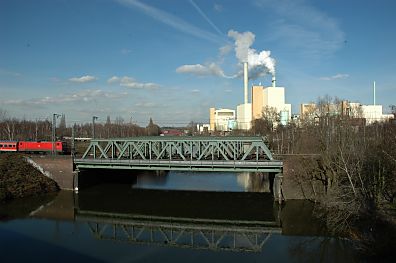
(201, 127)
(244, 116)
(274, 97)
(372, 113)
(222, 118)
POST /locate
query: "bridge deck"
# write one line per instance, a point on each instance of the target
(204, 166)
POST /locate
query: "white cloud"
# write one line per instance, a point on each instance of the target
(83, 79)
(147, 104)
(211, 69)
(218, 7)
(9, 73)
(337, 76)
(195, 91)
(125, 51)
(80, 96)
(130, 82)
(113, 79)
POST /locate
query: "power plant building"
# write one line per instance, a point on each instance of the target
(244, 116)
(257, 101)
(373, 113)
(221, 119)
(270, 98)
(263, 98)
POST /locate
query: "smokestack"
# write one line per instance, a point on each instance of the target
(374, 93)
(245, 81)
(273, 80)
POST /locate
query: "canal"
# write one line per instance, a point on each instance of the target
(174, 217)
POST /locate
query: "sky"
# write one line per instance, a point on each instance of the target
(173, 60)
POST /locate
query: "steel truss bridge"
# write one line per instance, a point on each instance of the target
(220, 235)
(236, 154)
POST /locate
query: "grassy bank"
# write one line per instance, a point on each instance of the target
(19, 179)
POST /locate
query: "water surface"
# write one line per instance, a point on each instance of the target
(180, 217)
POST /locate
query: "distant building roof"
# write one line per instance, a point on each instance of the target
(171, 133)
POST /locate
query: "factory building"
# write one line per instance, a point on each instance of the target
(371, 113)
(221, 119)
(270, 98)
(244, 116)
(263, 98)
(257, 101)
(307, 111)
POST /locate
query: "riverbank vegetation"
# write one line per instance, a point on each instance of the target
(343, 164)
(19, 179)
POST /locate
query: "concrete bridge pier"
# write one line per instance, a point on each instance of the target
(276, 180)
(75, 180)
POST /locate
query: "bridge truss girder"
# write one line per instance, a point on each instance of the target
(179, 149)
(184, 152)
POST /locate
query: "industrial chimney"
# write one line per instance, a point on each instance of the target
(374, 93)
(245, 81)
(273, 80)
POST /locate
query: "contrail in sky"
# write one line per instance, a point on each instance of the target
(206, 18)
(172, 20)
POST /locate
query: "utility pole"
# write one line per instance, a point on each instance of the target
(93, 126)
(54, 117)
(72, 141)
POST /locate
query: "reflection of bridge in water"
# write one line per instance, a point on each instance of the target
(177, 219)
(222, 221)
(180, 232)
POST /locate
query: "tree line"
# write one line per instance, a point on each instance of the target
(12, 129)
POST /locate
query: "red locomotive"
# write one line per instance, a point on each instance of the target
(26, 146)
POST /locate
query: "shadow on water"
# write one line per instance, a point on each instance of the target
(176, 203)
(175, 180)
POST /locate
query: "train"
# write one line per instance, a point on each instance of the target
(32, 146)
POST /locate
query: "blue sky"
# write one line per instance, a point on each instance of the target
(172, 60)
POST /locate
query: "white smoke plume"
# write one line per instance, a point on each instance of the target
(259, 63)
